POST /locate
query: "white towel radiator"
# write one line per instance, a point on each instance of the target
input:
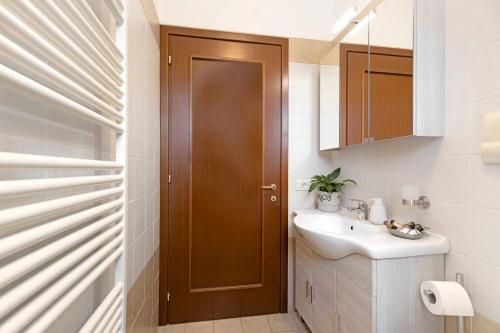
(53, 248)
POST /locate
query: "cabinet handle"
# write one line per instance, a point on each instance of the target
(307, 289)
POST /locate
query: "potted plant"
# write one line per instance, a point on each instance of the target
(330, 190)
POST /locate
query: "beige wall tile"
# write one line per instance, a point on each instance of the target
(458, 86)
(485, 184)
(457, 32)
(447, 179)
(152, 16)
(309, 51)
(451, 5)
(485, 72)
(485, 15)
(143, 83)
(142, 299)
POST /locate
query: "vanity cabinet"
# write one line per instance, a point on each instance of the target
(315, 289)
(357, 294)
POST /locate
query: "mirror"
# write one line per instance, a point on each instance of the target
(368, 81)
(389, 110)
(348, 58)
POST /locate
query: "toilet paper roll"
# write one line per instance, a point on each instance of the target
(446, 298)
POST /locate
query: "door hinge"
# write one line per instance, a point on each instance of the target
(170, 60)
(169, 178)
(168, 297)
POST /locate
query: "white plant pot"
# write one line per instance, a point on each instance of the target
(328, 202)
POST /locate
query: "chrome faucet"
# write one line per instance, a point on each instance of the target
(361, 209)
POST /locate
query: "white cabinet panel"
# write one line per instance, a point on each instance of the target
(354, 307)
(360, 269)
(323, 295)
(303, 277)
(357, 294)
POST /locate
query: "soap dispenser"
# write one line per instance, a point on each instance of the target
(378, 211)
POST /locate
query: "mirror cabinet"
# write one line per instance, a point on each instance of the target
(385, 78)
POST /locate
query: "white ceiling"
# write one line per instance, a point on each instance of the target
(285, 18)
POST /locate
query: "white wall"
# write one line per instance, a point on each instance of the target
(464, 192)
(285, 18)
(304, 158)
(143, 121)
(393, 24)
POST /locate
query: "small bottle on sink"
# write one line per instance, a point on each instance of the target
(378, 211)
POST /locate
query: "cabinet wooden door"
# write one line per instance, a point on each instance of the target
(303, 277)
(323, 295)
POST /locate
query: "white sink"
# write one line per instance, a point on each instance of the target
(336, 235)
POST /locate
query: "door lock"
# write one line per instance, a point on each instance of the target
(273, 198)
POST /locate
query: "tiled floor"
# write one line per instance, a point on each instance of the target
(281, 322)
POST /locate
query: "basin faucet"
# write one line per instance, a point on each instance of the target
(361, 209)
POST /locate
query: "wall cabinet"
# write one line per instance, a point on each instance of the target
(356, 294)
(385, 81)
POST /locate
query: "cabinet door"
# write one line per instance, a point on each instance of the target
(323, 295)
(354, 307)
(303, 277)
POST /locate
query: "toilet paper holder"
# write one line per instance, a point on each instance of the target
(451, 299)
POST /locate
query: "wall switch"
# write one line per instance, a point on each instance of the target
(302, 185)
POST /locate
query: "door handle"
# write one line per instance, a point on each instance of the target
(271, 187)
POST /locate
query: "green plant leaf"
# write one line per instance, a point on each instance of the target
(333, 175)
(315, 178)
(350, 181)
(327, 183)
(313, 186)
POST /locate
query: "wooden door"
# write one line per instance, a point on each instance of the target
(225, 152)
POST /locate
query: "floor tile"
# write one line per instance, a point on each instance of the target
(232, 325)
(176, 328)
(256, 324)
(282, 322)
(300, 323)
(200, 327)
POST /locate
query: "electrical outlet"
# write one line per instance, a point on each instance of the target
(302, 185)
